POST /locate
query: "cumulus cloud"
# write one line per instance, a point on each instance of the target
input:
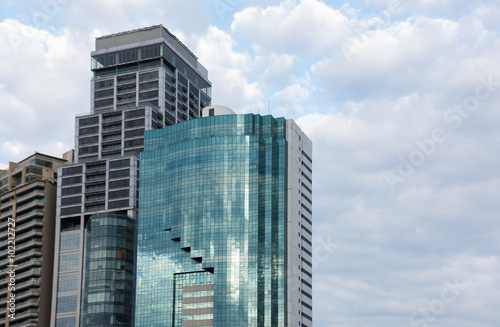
(228, 71)
(305, 27)
(41, 77)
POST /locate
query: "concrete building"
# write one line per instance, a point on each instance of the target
(142, 80)
(27, 228)
(225, 221)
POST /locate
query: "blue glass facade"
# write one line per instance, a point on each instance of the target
(109, 271)
(212, 224)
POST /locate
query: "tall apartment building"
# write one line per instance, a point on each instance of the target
(27, 226)
(225, 221)
(142, 80)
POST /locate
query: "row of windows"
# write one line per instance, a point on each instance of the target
(307, 317)
(148, 76)
(133, 123)
(306, 283)
(71, 200)
(148, 95)
(306, 240)
(119, 183)
(72, 170)
(118, 204)
(71, 180)
(119, 173)
(103, 103)
(306, 229)
(134, 133)
(307, 178)
(104, 93)
(307, 188)
(307, 305)
(34, 170)
(119, 163)
(118, 194)
(134, 113)
(306, 251)
(88, 130)
(306, 272)
(306, 198)
(306, 294)
(306, 208)
(148, 85)
(71, 210)
(307, 262)
(104, 84)
(306, 167)
(88, 149)
(134, 143)
(307, 157)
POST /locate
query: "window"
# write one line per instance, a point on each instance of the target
(120, 183)
(71, 180)
(69, 262)
(119, 163)
(148, 76)
(72, 170)
(68, 283)
(70, 241)
(103, 84)
(71, 190)
(66, 303)
(71, 200)
(118, 194)
(34, 170)
(119, 173)
(71, 210)
(66, 322)
(133, 123)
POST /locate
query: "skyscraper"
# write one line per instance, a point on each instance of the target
(27, 225)
(142, 80)
(224, 227)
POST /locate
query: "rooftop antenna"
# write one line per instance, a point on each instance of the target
(269, 107)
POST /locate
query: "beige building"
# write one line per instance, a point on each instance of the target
(27, 226)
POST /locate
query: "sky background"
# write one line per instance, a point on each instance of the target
(400, 99)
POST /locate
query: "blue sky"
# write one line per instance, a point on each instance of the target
(400, 98)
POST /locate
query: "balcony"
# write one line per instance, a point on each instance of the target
(32, 213)
(33, 193)
(31, 203)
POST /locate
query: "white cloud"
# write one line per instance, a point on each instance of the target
(227, 71)
(40, 80)
(306, 27)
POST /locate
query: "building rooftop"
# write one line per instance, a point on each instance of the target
(138, 35)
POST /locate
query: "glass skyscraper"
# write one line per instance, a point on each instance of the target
(224, 225)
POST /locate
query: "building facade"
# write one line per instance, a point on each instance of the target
(224, 227)
(142, 80)
(27, 226)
